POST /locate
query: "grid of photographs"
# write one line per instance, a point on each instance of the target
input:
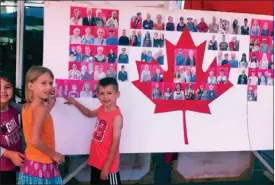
(99, 47)
(260, 66)
(184, 86)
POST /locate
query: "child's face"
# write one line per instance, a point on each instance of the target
(66, 88)
(107, 96)
(42, 87)
(87, 87)
(6, 91)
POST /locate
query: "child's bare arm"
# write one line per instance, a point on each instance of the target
(117, 126)
(39, 116)
(84, 110)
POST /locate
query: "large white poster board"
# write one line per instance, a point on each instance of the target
(235, 124)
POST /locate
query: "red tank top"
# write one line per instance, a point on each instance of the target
(10, 137)
(102, 140)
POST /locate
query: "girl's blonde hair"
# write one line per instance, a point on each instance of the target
(31, 76)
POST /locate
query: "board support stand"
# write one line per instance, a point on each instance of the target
(270, 173)
(75, 172)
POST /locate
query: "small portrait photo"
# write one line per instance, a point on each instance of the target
(191, 56)
(178, 91)
(146, 55)
(202, 26)
(220, 57)
(266, 77)
(135, 38)
(84, 70)
(242, 78)
(200, 92)
(252, 77)
(88, 18)
(234, 63)
(192, 24)
(147, 39)
(100, 71)
(105, 18)
(272, 29)
(254, 44)
(74, 71)
(86, 90)
(271, 61)
(158, 39)
(224, 26)
(94, 88)
(271, 45)
(189, 91)
(75, 53)
(76, 15)
(123, 56)
(100, 35)
(181, 24)
(112, 36)
(59, 88)
(65, 89)
(146, 73)
(243, 63)
(254, 60)
(122, 73)
(211, 92)
(235, 26)
(136, 21)
(185, 57)
(225, 59)
(170, 24)
(212, 76)
(87, 37)
(223, 45)
(157, 73)
(222, 75)
(74, 88)
(159, 23)
(252, 93)
(245, 27)
(76, 33)
(87, 55)
(263, 61)
(157, 89)
(213, 44)
(148, 22)
(264, 45)
(159, 56)
(111, 54)
(266, 27)
(167, 91)
(124, 39)
(255, 27)
(87, 71)
(214, 26)
(234, 43)
(111, 70)
(185, 74)
(100, 53)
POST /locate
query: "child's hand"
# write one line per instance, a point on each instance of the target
(104, 174)
(58, 158)
(16, 157)
(70, 101)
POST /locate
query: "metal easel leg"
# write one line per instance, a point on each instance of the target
(75, 172)
(270, 173)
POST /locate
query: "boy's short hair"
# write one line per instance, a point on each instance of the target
(104, 82)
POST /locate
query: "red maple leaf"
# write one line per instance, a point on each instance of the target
(202, 106)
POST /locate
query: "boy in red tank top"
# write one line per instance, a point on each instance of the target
(104, 150)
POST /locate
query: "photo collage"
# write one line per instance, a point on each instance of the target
(261, 65)
(99, 47)
(184, 86)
